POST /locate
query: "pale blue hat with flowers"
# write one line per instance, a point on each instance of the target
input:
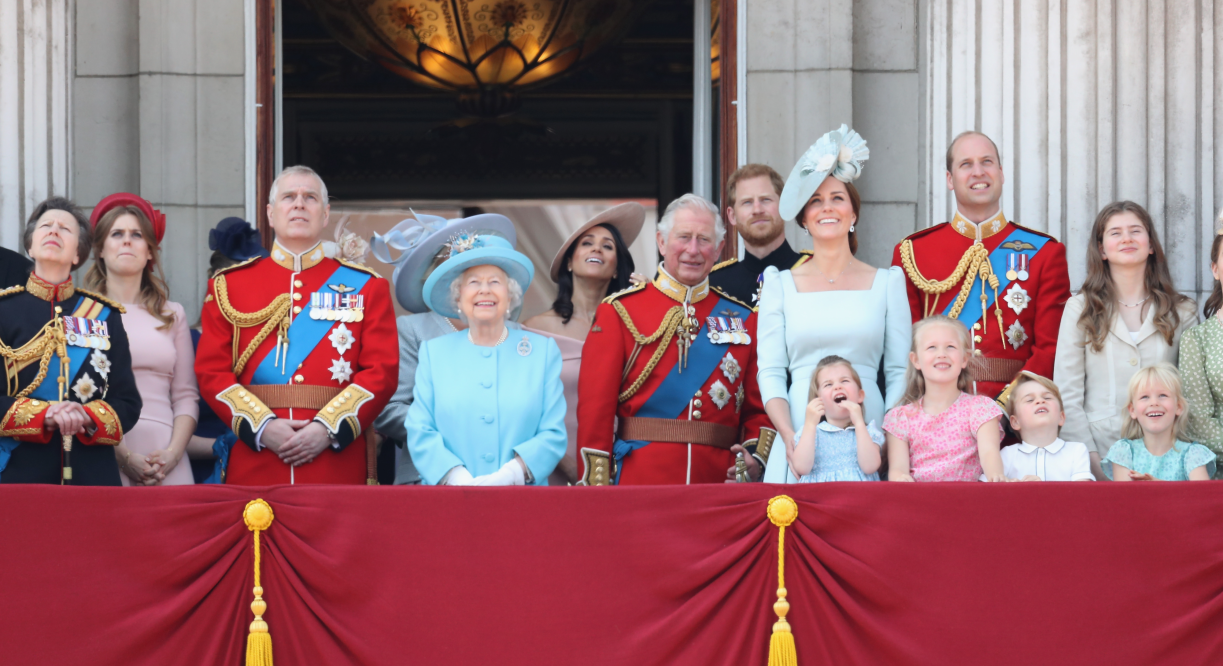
(419, 239)
(467, 251)
(839, 154)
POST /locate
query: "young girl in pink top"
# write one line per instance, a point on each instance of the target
(940, 431)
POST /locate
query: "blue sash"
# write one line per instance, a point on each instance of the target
(48, 390)
(676, 390)
(972, 311)
(305, 333)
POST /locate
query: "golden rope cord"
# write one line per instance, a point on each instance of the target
(974, 262)
(666, 331)
(42, 346)
(275, 314)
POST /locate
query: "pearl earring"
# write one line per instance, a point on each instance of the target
(851, 228)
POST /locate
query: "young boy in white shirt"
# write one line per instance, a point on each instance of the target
(1035, 411)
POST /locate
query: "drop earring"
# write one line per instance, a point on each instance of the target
(851, 228)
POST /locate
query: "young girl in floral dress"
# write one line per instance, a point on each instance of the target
(941, 431)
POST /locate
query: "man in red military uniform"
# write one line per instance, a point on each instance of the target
(1008, 284)
(667, 392)
(298, 350)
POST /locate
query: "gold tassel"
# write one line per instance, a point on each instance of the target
(782, 512)
(258, 517)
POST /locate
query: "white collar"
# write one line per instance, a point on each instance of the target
(828, 427)
(1052, 448)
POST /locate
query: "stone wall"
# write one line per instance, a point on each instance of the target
(158, 92)
(814, 64)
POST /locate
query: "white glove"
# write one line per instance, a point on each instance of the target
(510, 474)
(457, 476)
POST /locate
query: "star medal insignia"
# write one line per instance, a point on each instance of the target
(100, 363)
(719, 394)
(341, 370)
(84, 388)
(1016, 335)
(730, 367)
(1017, 298)
(342, 339)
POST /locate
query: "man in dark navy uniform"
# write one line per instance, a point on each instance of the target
(753, 191)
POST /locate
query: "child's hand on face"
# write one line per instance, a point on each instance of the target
(815, 411)
(855, 413)
(1135, 476)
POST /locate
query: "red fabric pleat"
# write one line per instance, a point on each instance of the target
(877, 574)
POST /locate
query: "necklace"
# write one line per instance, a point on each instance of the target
(449, 323)
(830, 280)
(505, 333)
(1134, 305)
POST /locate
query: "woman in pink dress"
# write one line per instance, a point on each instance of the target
(127, 234)
(592, 264)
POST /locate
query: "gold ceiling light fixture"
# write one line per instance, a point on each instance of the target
(485, 51)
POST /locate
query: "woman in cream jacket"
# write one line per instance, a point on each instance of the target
(1126, 317)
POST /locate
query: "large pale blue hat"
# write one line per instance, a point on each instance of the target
(418, 241)
(466, 251)
(839, 154)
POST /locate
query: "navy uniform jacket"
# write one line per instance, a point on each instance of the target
(103, 384)
(741, 278)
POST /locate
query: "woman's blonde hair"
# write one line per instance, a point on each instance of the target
(153, 292)
(827, 362)
(1099, 294)
(915, 382)
(1167, 375)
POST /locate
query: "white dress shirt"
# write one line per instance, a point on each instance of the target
(1060, 461)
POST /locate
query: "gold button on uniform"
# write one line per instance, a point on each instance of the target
(696, 415)
(976, 326)
(299, 379)
(297, 283)
(696, 403)
(976, 338)
(977, 352)
(297, 297)
(297, 309)
(698, 394)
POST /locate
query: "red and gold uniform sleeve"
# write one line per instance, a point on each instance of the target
(214, 371)
(24, 420)
(376, 371)
(1052, 283)
(599, 380)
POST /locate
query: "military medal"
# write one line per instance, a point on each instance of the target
(1016, 335)
(1011, 261)
(1023, 267)
(714, 331)
(719, 394)
(524, 347)
(1017, 298)
(730, 367)
(82, 332)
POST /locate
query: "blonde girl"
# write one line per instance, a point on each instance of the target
(836, 443)
(941, 431)
(1157, 444)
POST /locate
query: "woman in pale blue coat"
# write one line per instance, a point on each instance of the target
(489, 407)
(830, 303)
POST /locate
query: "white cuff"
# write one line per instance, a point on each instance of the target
(259, 435)
(457, 476)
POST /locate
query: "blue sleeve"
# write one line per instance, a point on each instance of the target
(1120, 454)
(1197, 456)
(772, 356)
(425, 443)
(897, 337)
(542, 452)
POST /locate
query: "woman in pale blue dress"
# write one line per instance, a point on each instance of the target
(829, 303)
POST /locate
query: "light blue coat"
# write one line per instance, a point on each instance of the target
(478, 406)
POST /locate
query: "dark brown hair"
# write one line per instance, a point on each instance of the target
(153, 292)
(961, 135)
(855, 200)
(1099, 294)
(752, 171)
(1215, 301)
(83, 239)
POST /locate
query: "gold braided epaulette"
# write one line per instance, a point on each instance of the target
(625, 292)
(236, 266)
(359, 267)
(12, 290)
(724, 264)
(99, 297)
(731, 298)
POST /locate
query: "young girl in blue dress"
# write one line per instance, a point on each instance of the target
(1156, 444)
(836, 443)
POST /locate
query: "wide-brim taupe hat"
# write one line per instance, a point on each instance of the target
(474, 250)
(420, 239)
(627, 218)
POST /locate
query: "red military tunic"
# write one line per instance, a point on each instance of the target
(606, 354)
(1031, 315)
(343, 382)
